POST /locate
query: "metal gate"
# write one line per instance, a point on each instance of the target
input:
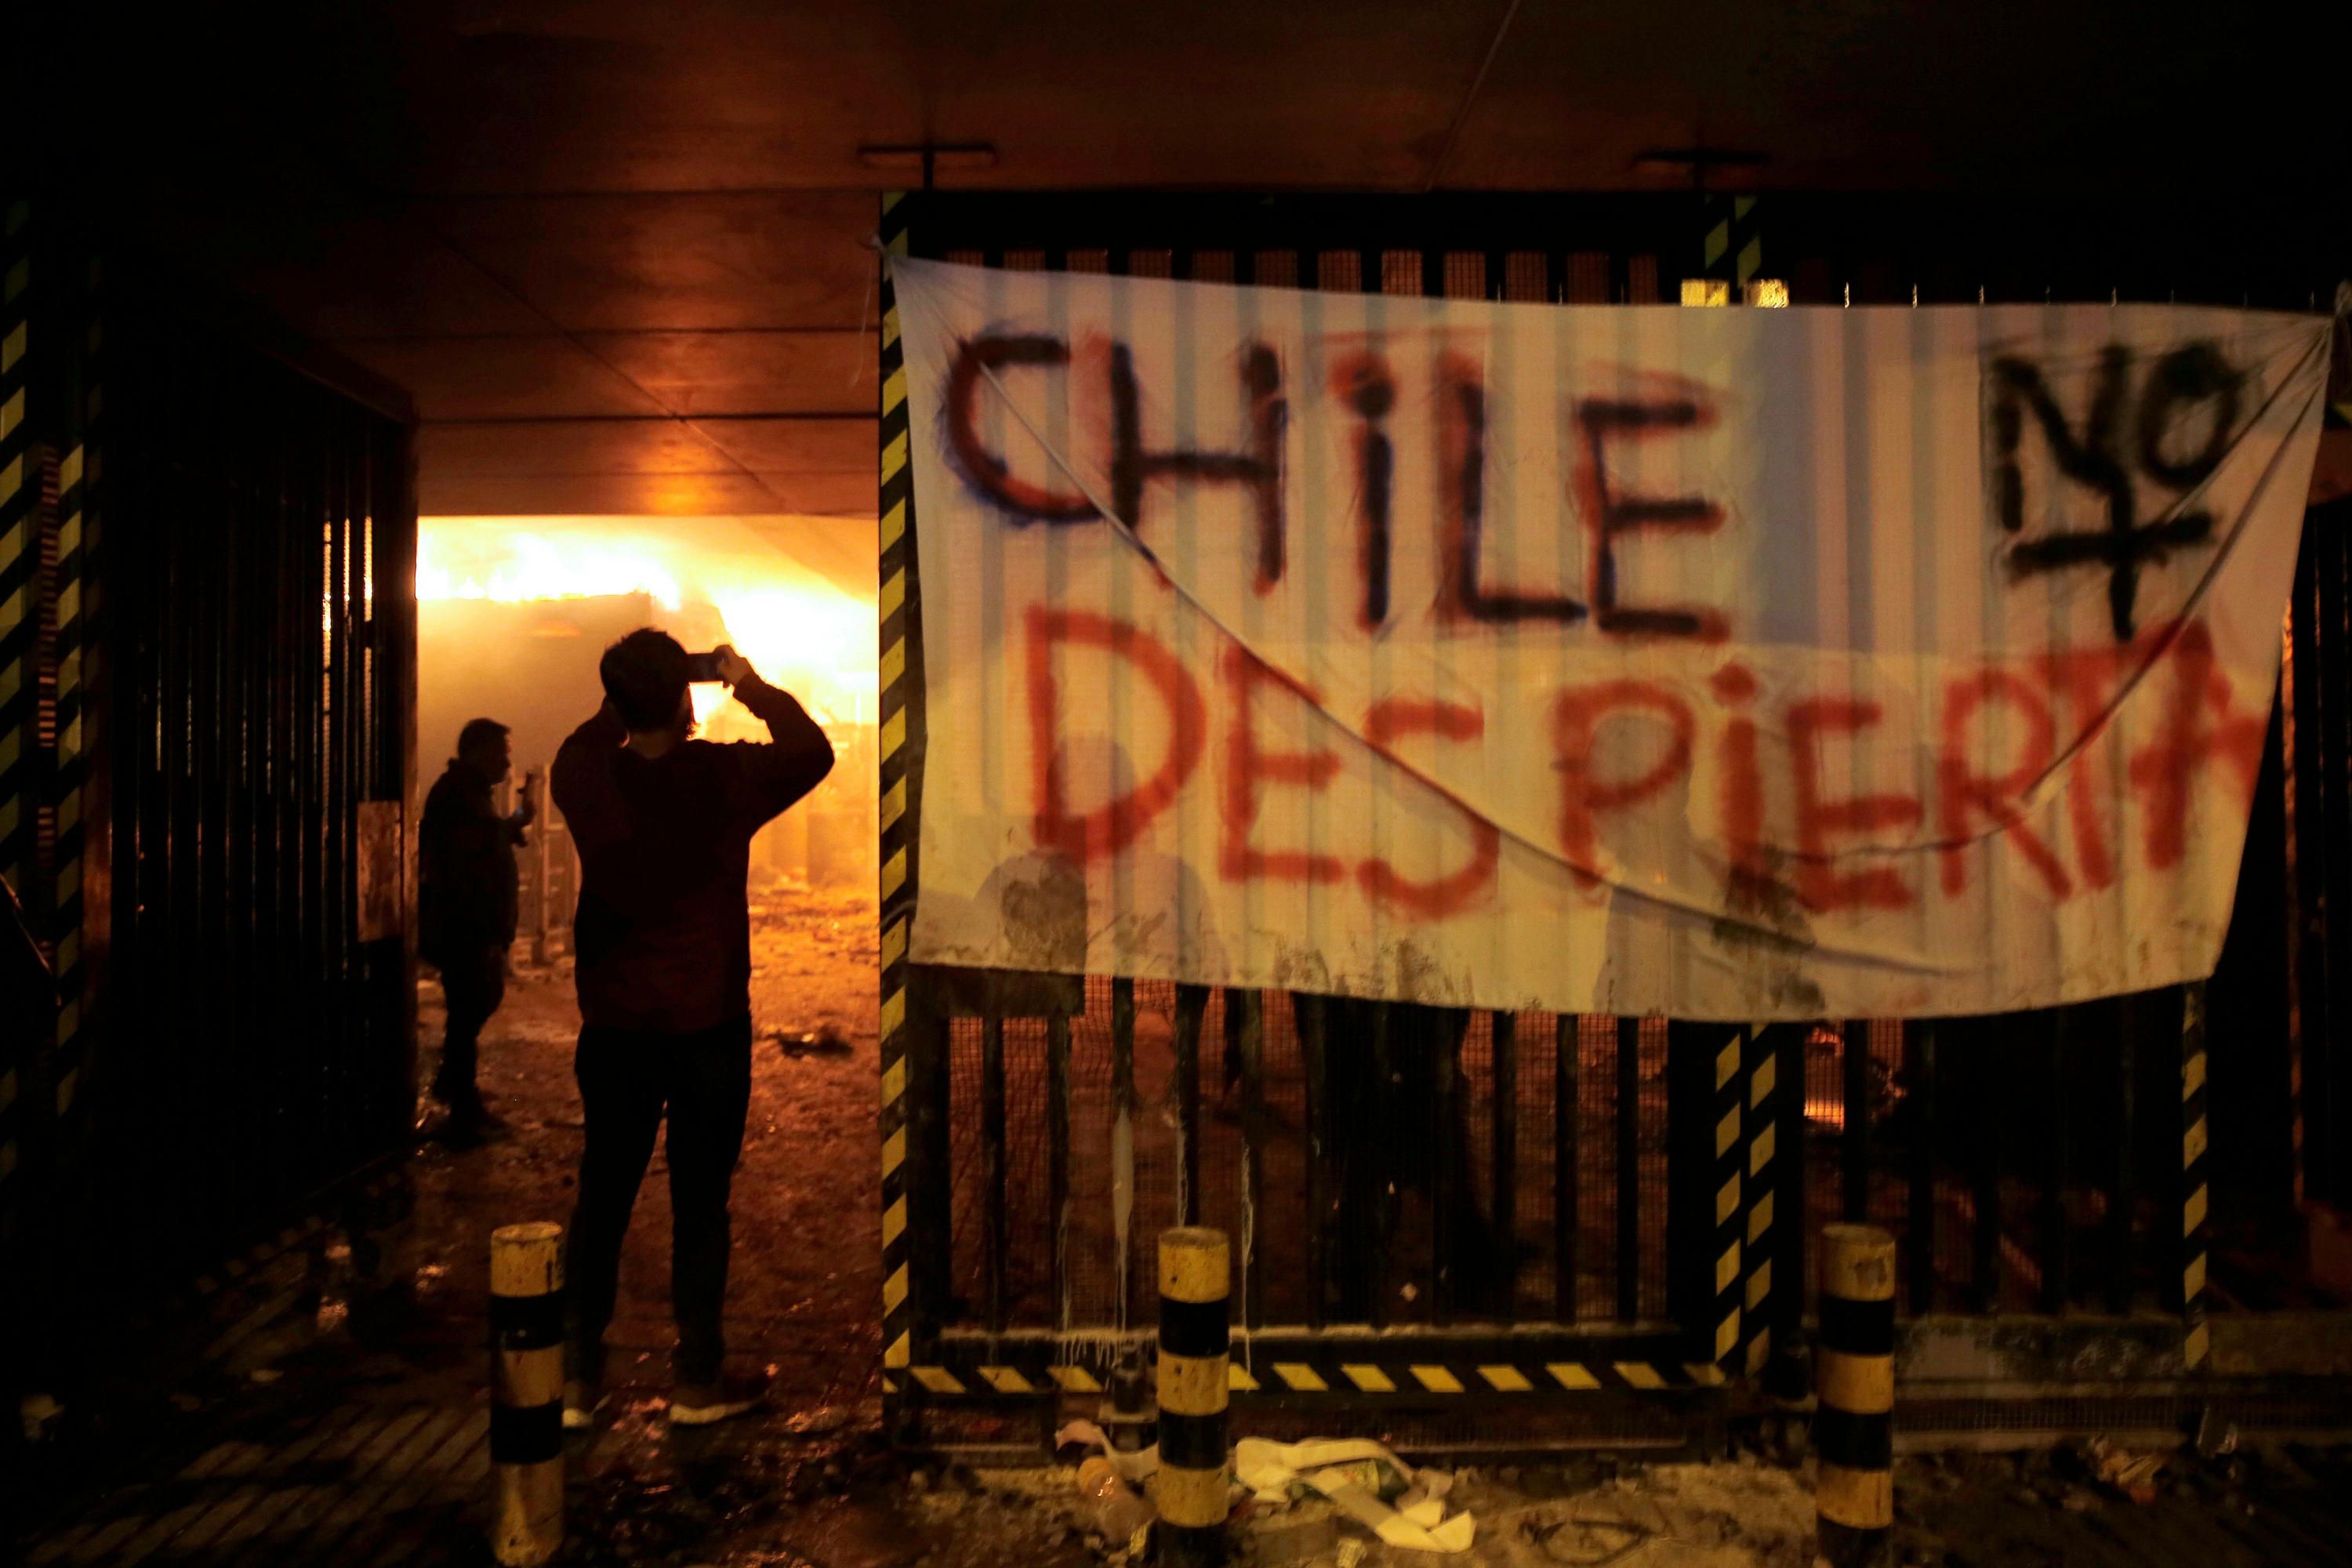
(205, 743)
(1486, 1231)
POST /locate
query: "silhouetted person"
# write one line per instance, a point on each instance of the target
(466, 894)
(664, 825)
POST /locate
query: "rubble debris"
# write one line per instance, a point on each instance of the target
(2133, 1475)
(818, 1422)
(825, 1040)
(1361, 1477)
(1118, 1512)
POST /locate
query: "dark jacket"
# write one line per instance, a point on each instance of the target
(466, 876)
(664, 929)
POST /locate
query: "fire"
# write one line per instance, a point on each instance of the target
(711, 580)
(512, 567)
(785, 629)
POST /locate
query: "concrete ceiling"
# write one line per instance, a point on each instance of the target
(617, 249)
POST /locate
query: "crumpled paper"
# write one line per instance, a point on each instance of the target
(1134, 1466)
(1417, 1524)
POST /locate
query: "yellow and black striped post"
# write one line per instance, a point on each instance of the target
(901, 707)
(526, 1392)
(1195, 1280)
(73, 656)
(1706, 1211)
(2194, 1191)
(1853, 1429)
(1730, 1147)
(1759, 1082)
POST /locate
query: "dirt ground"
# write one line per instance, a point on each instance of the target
(343, 1417)
(804, 1289)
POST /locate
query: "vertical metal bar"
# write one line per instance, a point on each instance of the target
(915, 1218)
(2324, 851)
(1566, 1045)
(541, 861)
(1122, 1139)
(2123, 1201)
(1370, 1145)
(1989, 1074)
(2195, 1194)
(992, 1163)
(1311, 1013)
(1783, 1161)
(930, 1175)
(1629, 1169)
(1705, 1148)
(1057, 1158)
(1229, 1067)
(1192, 1010)
(1854, 1057)
(1252, 1044)
(2056, 1241)
(1919, 1047)
(2292, 688)
(1441, 1047)
(1505, 1140)
(1756, 1167)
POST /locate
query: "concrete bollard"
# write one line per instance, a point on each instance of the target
(526, 1392)
(1854, 1374)
(1195, 1275)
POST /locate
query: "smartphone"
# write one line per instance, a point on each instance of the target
(702, 666)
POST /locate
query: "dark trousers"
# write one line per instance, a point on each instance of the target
(628, 1080)
(475, 984)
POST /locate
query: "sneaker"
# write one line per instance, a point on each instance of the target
(581, 1403)
(702, 1404)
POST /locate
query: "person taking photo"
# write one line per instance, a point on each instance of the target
(664, 825)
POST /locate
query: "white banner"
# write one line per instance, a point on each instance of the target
(1735, 664)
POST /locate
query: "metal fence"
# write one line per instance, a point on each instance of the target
(213, 853)
(1498, 1229)
(547, 868)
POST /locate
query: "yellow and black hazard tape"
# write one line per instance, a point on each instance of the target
(73, 647)
(2195, 1190)
(1727, 1116)
(20, 489)
(1344, 1369)
(1761, 1123)
(901, 738)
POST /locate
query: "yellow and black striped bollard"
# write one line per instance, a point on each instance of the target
(1196, 1276)
(1853, 1431)
(526, 1392)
